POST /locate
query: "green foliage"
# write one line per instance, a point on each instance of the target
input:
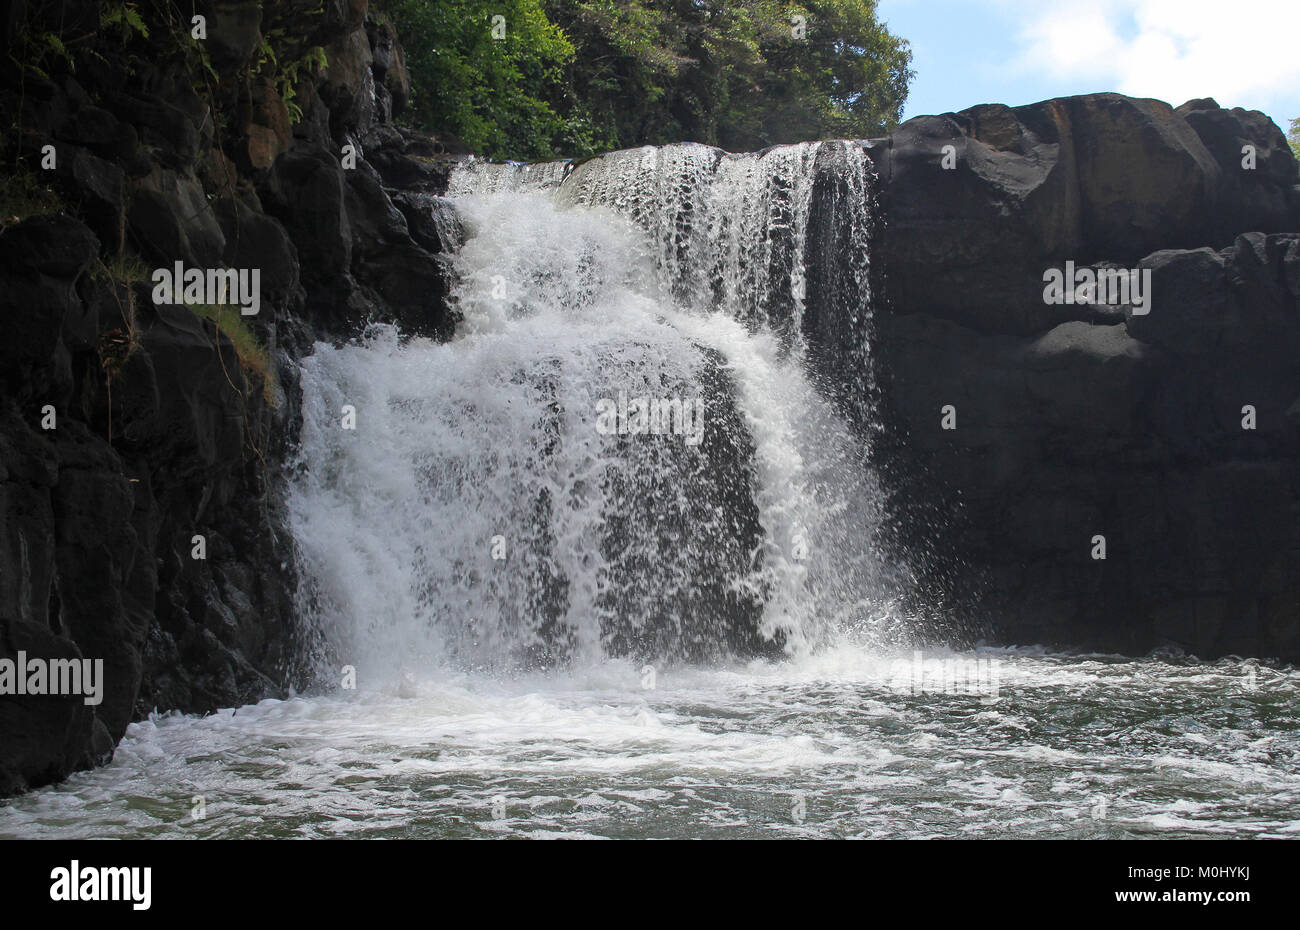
(36, 51)
(127, 269)
(116, 345)
(313, 61)
(197, 61)
(252, 355)
(497, 94)
(123, 20)
(1294, 137)
(22, 195)
(574, 77)
(287, 74)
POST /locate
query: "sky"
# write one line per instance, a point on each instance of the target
(1244, 53)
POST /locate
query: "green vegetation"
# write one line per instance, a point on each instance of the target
(1294, 137)
(535, 79)
(499, 95)
(22, 194)
(287, 76)
(122, 20)
(126, 271)
(286, 61)
(253, 357)
(34, 50)
(116, 346)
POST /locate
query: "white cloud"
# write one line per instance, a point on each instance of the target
(1242, 53)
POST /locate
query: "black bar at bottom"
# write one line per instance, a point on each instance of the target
(1221, 879)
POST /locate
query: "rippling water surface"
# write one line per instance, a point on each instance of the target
(835, 745)
(661, 272)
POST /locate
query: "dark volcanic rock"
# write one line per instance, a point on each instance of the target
(1081, 178)
(378, 223)
(411, 162)
(162, 434)
(413, 283)
(234, 32)
(96, 548)
(43, 256)
(94, 528)
(1254, 191)
(1079, 421)
(355, 246)
(306, 192)
(166, 129)
(171, 218)
(389, 64)
(349, 87)
(255, 240)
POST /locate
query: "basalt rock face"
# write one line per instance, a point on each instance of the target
(1095, 178)
(129, 430)
(1174, 433)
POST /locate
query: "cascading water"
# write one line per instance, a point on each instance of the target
(685, 274)
(483, 513)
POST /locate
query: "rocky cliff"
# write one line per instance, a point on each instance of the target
(142, 445)
(1019, 430)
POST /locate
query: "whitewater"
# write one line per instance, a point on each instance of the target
(558, 630)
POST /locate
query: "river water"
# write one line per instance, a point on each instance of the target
(835, 745)
(532, 622)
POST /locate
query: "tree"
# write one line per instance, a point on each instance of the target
(487, 72)
(575, 77)
(741, 74)
(1294, 137)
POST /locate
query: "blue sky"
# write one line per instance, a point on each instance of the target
(1245, 53)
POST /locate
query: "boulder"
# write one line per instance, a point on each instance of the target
(255, 240)
(349, 86)
(172, 220)
(1256, 166)
(306, 192)
(388, 62)
(171, 134)
(1086, 179)
(375, 222)
(44, 256)
(268, 129)
(234, 32)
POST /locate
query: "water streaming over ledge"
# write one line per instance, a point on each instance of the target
(482, 514)
(785, 708)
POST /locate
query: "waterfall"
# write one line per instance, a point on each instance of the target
(626, 450)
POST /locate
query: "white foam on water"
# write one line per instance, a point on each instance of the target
(721, 752)
(640, 268)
